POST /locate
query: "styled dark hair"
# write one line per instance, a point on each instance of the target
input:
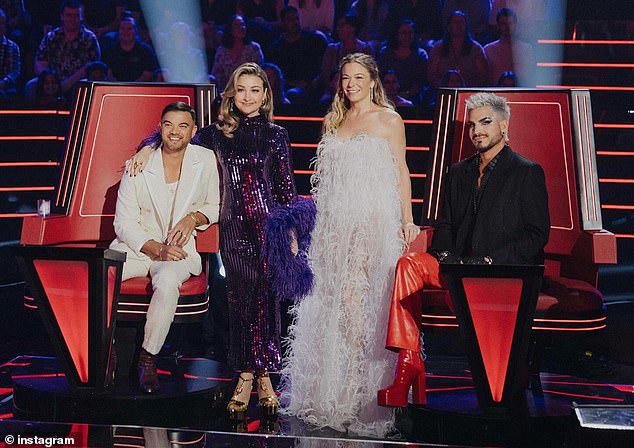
(505, 12)
(287, 9)
(468, 41)
(508, 75)
(179, 106)
(72, 4)
(39, 86)
(227, 38)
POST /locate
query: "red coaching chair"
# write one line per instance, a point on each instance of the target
(555, 129)
(74, 277)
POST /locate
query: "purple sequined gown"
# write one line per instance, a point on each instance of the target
(257, 177)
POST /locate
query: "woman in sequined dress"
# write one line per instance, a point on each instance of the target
(254, 158)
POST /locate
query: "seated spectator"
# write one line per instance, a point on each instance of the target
(424, 13)
(130, 59)
(16, 20)
(458, 51)
(451, 78)
(68, 48)
(236, 49)
(508, 79)
(347, 31)
(9, 60)
(372, 14)
(406, 59)
(213, 40)
(318, 15)
(48, 91)
(507, 53)
(476, 12)
(96, 71)
(276, 80)
(262, 17)
(391, 86)
(184, 62)
(298, 54)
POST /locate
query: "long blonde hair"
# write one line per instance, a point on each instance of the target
(230, 120)
(340, 104)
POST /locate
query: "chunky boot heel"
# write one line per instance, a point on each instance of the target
(410, 370)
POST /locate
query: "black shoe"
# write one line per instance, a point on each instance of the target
(146, 369)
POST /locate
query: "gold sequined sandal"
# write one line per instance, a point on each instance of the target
(267, 399)
(239, 402)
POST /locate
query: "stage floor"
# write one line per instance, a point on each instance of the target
(451, 417)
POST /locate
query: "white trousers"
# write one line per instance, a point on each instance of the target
(167, 277)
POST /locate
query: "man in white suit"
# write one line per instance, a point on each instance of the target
(157, 215)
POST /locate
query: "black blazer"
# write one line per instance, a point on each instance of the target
(512, 223)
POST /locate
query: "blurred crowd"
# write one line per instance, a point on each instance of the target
(47, 46)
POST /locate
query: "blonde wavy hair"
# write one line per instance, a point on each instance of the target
(340, 104)
(229, 118)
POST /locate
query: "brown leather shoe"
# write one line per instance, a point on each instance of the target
(146, 368)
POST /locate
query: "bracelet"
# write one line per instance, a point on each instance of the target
(192, 215)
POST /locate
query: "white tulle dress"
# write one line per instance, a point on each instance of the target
(336, 354)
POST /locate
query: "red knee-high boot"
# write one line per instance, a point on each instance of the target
(410, 372)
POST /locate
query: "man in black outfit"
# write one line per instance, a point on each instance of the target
(130, 59)
(494, 210)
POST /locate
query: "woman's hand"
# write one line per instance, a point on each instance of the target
(294, 243)
(409, 232)
(138, 161)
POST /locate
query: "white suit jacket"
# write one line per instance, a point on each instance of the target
(144, 204)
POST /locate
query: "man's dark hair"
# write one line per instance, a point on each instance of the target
(72, 4)
(505, 12)
(179, 106)
(285, 10)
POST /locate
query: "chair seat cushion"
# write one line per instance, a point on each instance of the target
(195, 285)
(567, 295)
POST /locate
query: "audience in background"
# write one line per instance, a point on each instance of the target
(276, 80)
(392, 87)
(130, 59)
(424, 13)
(298, 54)
(406, 59)
(458, 51)
(318, 15)
(185, 61)
(96, 71)
(236, 49)
(508, 53)
(9, 60)
(372, 15)
(68, 48)
(475, 11)
(16, 20)
(348, 42)
(508, 79)
(47, 93)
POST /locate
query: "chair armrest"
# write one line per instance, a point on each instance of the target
(423, 240)
(208, 240)
(597, 246)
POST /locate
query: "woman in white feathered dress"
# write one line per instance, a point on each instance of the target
(337, 360)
